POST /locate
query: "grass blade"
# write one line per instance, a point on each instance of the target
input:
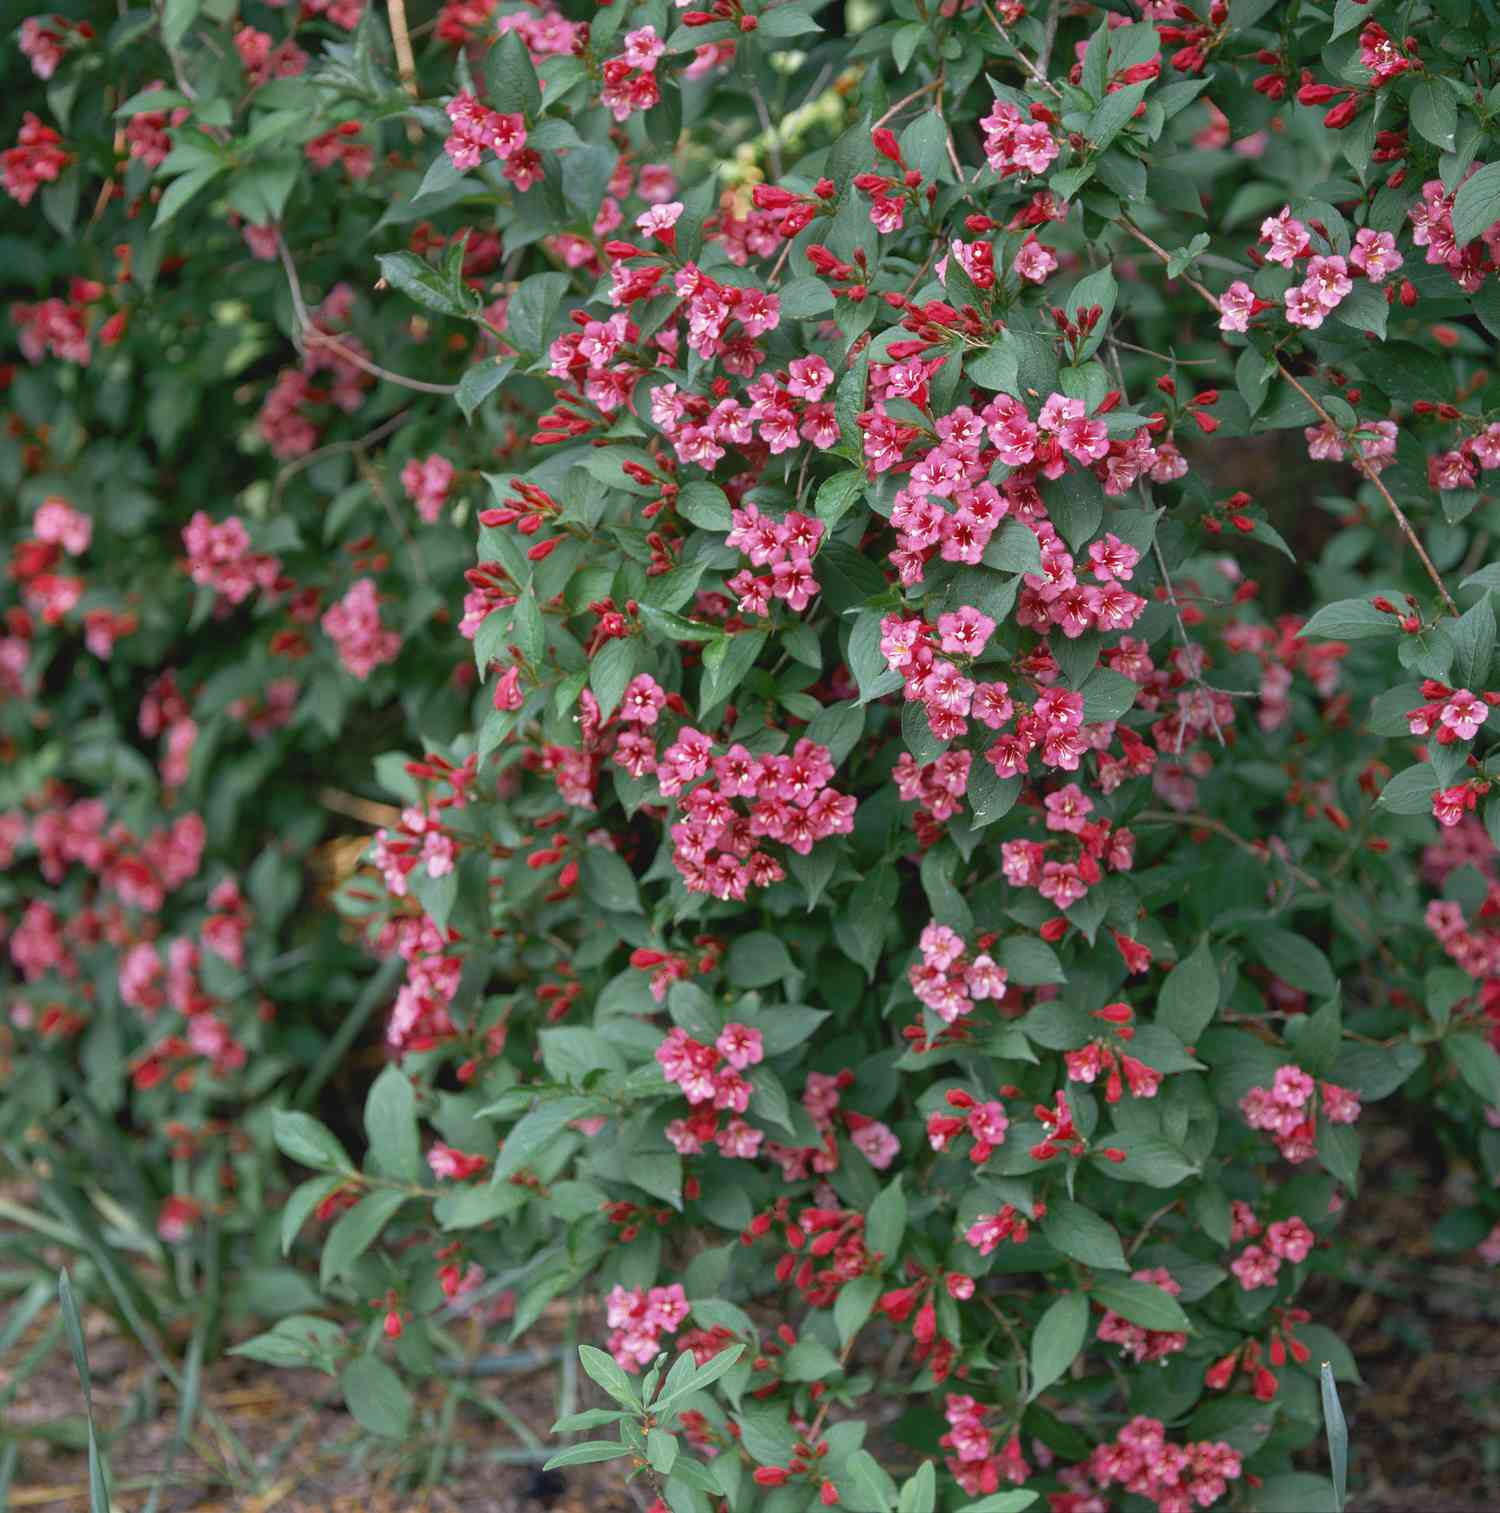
(1338, 1436)
(98, 1474)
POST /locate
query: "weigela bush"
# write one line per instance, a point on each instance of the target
(958, 760)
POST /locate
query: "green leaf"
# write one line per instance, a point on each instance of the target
(705, 505)
(1338, 1434)
(304, 1139)
(1057, 1339)
(304, 1199)
(867, 1486)
(481, 381)
(1107, 695)
(1473, 640)
(533, 308)
(1189, 997)
(391, 1124)
(726, 661)
(376, 1397)
(176, 17)
(1081, 1234)
(1149, 1159)
(606, 1371)
(885, 1224)
(1410, 791)
(510, 79)
(1350, 620)
(1434, 112)
(1477, 1062)
(1142, 1303)
(661, 1451)
(1476, 206)
(804, 298)
(420, 281)
(355, 1232)
(1001, 1502)
(177, 194)
(586, 1454)
(757, 960)
(991, 797)
(1295, 960)
(608, 882)
(853, 1306)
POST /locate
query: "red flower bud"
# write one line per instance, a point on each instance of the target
(883, 139)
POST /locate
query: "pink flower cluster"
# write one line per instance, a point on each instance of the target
(985, 1123)
(1257, 1265)
(948, 980)
(630, 82)
(786, 546)
(1177, 1478)
(1064, 883)
(1455, 714)
(335, 147)
(59, 524)
(1287, 1110)
(219, 557)
(974, 1462)
(588, 357)
(44, 40)
(146, 132)
(717, 847)
(56, 326)
(1014, 145)
(1432, 227)
(948, 506)
(1375, 439)
(421, 842)
(710, 1079)
(1086, 1064)
(1455, 468)
(353, 625)
(427, 483)
(777, 412)
(477, 130)
(1138, 1343)
(36, 159)
(639, 1318)
(420, 1017)
(1476, 950)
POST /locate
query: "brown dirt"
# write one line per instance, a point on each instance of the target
(1424, 1427)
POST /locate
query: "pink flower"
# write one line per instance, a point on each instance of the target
(1374, 254)
(877, 1143)
(1236, 305)
(643, 701)
(1290, 1239)
(1304, 307)
(1255, 1268)
(740, 1046)
(1463, 714)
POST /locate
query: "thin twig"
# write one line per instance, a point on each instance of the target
(1049, 36)
(372, 477)
(1360, 462)
(773, 144)
(406, 63)
(1258, 849)
(1037, 74)
(333, 449)
(904, 101)
(308, 335)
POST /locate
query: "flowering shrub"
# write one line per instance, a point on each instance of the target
(913, 589)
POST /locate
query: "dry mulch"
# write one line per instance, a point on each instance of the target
(1424, 1427)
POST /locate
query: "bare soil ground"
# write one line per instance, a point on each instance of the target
(1424, 1427)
